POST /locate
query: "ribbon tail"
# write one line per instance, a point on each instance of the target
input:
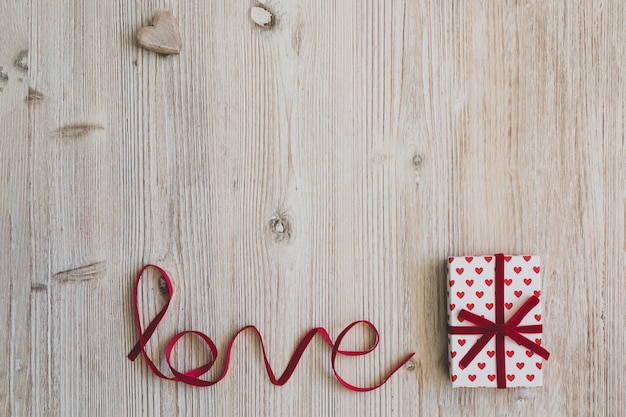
(534, 328)
(523, 311)
(478, 346)
(523, 341)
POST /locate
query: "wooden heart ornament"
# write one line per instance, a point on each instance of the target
(163, 36)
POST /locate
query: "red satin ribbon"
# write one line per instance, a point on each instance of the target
(192, 377)
(499, 329)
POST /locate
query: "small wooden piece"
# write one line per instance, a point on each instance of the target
(163, 36)
(262, 17)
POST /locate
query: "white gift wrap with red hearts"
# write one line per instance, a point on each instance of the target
(471, 287)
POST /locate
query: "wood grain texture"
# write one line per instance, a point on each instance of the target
(312, 173)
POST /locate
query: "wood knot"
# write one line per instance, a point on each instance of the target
(280, 227)
(417, 160)
(76, 130)
(21, 61)
(92, 271)
(163, 288)
(416, 163)
(34, 95)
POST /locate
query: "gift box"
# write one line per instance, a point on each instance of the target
(494, 321)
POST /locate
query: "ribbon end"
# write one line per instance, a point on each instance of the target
(134, 353)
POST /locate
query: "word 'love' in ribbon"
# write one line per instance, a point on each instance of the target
(192, 377)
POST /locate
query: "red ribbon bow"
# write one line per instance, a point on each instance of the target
(192, 377)
(500, 329)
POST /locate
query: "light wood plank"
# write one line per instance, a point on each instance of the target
(312, 173)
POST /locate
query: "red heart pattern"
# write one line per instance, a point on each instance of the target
(477, 284)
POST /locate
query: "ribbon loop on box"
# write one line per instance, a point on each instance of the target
(499, 329)
(192, 377)
(490, 329)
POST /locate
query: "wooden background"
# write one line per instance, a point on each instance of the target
(310, 174)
